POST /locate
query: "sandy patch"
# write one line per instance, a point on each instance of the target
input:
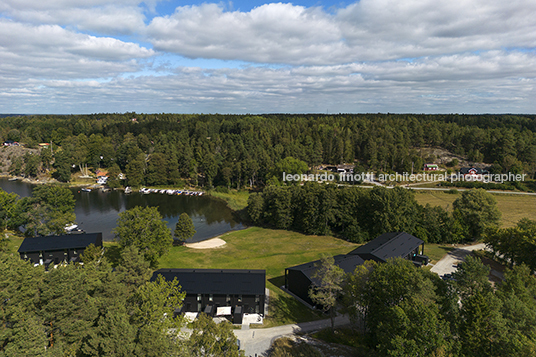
(207, 244)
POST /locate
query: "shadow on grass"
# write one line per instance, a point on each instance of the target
(437, 252)
(285, 309)
(113, 254)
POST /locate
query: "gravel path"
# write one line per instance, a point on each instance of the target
(447, 264)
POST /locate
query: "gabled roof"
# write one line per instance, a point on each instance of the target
(346, 262)
(66, 241)
(388, 245)
(476, 170)
(217, 281)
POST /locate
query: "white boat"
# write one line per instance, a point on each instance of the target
(128, 189)
(86, 189)
(70, 227)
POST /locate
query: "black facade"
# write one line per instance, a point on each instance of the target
(208, 289)
(65, 248)
(298, 279)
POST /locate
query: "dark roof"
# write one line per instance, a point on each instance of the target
(348, 263)
(66, 241)
(388, 245)
(217, 281)
(478, 170)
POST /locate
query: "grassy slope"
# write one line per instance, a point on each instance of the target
(512, 207)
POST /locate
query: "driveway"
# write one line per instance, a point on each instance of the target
(256, 342)
(447, 264)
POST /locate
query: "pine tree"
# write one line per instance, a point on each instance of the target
(184, 229)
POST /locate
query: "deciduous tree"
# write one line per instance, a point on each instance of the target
(144, 229)
(327, 286)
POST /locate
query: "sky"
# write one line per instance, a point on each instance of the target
(397, 56)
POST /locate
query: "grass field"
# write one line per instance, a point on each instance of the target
(512, 207)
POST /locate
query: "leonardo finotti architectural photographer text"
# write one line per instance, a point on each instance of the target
(404, 177)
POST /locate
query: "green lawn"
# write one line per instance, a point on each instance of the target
(437, 251)
(257, 248)
(512, 207)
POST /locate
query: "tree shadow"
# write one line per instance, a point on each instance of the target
(113, 254)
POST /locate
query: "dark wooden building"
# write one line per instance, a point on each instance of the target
(298, 279)
(390, 245)
(240, 291)
(57, 249)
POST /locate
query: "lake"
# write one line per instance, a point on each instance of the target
(97, 211)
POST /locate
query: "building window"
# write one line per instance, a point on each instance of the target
(256, 298)
(239, 298)
(198, 297)
(228, 299)
(198, 307)
(210, 298)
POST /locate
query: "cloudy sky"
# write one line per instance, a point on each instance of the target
(422, 56)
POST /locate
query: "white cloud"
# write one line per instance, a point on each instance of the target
(55, 41)
(464, 83)
(373, 55)
(120, 17)
(364, 31)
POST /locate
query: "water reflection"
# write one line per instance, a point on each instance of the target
(98, 211)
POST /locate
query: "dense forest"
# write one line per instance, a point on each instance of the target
(239, 150)
(405, 311)
(94, 310)
(359, 214)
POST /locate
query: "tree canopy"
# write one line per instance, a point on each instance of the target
(143, 228)
(184, 229)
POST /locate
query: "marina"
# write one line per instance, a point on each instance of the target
(98, 208)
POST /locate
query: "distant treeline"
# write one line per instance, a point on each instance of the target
(359, 214)
(238, 150)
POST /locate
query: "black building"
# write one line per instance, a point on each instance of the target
(390, 245)
(240, 291)
(298, 279)
(56, 249)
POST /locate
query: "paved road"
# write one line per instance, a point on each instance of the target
(447, 264)
(258, 341)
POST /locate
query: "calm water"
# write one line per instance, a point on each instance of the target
(98, 211)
